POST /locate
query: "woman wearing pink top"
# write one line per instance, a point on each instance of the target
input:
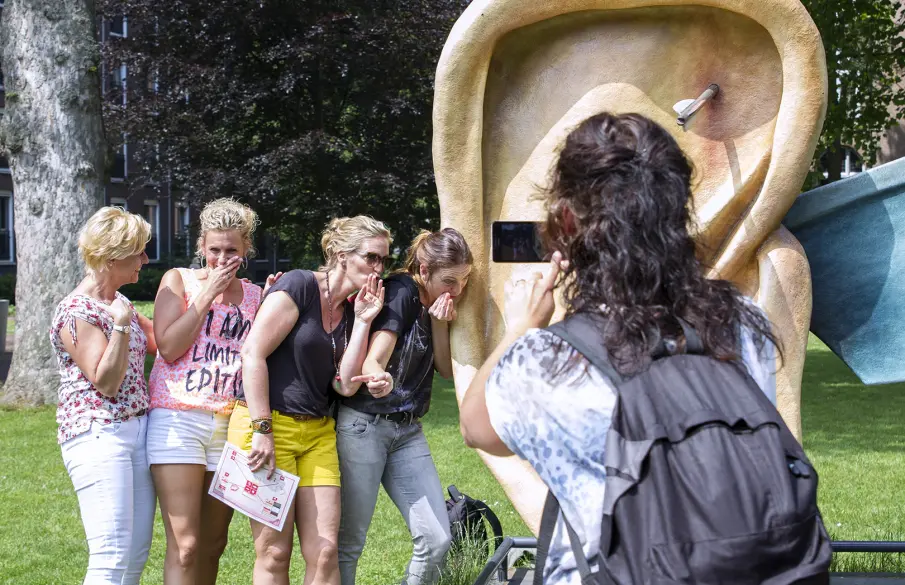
(201, 319)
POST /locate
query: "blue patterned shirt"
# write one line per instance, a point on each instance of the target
(558, 422)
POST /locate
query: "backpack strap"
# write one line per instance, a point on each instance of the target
(495, 525)
(580, 330)
(547, 526)
(454, 493)
(584, 569)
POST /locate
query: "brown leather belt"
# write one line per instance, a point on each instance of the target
(298, 417)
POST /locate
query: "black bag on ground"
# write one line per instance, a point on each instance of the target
(467, 516)
(705, 483)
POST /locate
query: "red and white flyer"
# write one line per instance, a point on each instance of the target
(264, 500)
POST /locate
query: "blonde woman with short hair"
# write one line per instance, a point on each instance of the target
(100, 347)
(290, 362)
(201, 320)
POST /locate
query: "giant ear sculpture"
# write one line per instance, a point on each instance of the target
(516, 76)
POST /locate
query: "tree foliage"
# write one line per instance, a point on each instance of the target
(307, 110)
(316, 109)
(865, 55)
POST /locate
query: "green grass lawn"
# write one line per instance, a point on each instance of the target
(43, 543)
(852, 433)
(855, 437)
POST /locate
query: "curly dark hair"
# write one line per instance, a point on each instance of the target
(619, 209)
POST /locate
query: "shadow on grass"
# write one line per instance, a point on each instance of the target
(843, 416)
(853, 435)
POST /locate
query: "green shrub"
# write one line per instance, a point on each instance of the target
(146, 287)
(8, 288)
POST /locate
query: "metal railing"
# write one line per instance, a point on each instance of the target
(499, 562)
(870, 546)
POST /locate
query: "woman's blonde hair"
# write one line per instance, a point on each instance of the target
(112, 233)
(446, 248)
(346, 234)
(225, 214)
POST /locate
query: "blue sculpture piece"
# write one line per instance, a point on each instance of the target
(853, 232)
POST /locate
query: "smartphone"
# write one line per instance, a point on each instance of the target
(516, 241)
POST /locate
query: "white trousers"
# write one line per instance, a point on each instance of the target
(108, 467)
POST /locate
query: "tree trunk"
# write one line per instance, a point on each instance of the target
(53, 135)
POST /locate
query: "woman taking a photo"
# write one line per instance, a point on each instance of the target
(290, 363)
(379, 435)
(201, 320)
(618, 210)
(100, 348)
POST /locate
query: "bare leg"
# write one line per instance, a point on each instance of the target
(180, 491)
(215, 519)
(317, 516)
(273, 551)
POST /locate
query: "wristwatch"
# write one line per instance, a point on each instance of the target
(125, 329)
(262, 425)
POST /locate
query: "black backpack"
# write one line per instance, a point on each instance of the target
(467, 516)
(705, 483)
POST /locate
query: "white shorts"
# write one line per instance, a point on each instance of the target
(186, 436)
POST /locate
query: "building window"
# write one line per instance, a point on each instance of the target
(261, 276)
(152, 214)
(2, 85)
(120, 165)
(119, 202)
(183, 228)
(852, 163)
(119, 27)
(4, 164)
(154, 82)
(7, 238)
(262, 248)
(278, 249)
(120, 81)
(114, 83)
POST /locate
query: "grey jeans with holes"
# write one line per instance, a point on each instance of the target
(375, 451)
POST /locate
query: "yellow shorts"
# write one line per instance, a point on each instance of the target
(306, 448)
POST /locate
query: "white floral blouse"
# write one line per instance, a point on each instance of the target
(80, 402)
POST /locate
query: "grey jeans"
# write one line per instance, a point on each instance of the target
(373, 450)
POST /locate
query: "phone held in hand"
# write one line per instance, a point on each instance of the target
(517, 242)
